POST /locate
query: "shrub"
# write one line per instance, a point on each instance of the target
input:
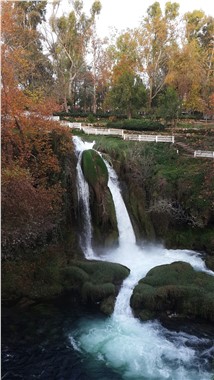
(137, 125)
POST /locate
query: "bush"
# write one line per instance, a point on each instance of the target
(137, 125)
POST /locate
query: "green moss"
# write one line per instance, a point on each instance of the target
(175, 288)
(73, 277)
(94, 168)
(107, 305)
(95, 293)
(200, 239)
(91, 282)
(101, 272)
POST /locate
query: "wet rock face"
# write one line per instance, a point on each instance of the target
(105, 231)
(174, 290)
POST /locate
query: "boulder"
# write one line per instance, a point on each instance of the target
(174, 290)
(95, 282)
(105, 230)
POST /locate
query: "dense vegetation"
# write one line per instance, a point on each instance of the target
(162, 67)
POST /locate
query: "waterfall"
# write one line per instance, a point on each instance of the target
(126, 239)
(83, 199)
(126, 232)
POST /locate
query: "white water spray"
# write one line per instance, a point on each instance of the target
(136, 350)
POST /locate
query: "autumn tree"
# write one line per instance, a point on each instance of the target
(191, 69)
(187, 75)
(26, 16)
(68, 52)
(128, 93)
(32, 195)
(157, 37)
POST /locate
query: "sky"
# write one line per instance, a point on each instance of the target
(122, 14)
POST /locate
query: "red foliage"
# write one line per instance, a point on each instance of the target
(31, 189)
(28, 213)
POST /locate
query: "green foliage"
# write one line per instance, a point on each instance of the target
(201, 239)
(86, 115)
(91, 118)
(127, 93)
(175, 288)
(136, 125)
(169, 105)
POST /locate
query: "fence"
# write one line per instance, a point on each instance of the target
(89, 130)
(203, 153)
(71, 125)
(103, 131)
(135, 137)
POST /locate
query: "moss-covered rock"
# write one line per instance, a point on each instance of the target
(96, 282)
(174, 289)
(48, 276)
(94, 170)
(136, 204)
(105, 230)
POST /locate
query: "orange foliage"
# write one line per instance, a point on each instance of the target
(125, 65)
(32, 194)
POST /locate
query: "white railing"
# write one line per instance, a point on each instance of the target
(203, 153)
(71, 125)
(90, 130)
(116, 132)
(103, 131)
(135, 137)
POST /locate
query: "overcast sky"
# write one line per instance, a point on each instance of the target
(128, 13)
(122, 14)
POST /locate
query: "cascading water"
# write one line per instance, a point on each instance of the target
(83, 199)
(137, 350)
(126, 232)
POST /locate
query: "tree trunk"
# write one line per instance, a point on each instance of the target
(129, 114)
(65, 103)
(94, 99)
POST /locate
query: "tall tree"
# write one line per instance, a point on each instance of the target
(128, 93)
(187, 75)
(72, 36)
(192, 67)
(157, 37)
(26, 17)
